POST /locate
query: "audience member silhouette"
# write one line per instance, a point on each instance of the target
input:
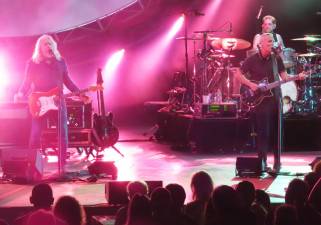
(139, 211)
(313, 206)
(311, 179)
(227, 206)
(296, 195)
(317, 168)
(200, 209)
(263, 198)
(41, 198)
(68, 209)
(134, 187)
(262, 208)
(161, 202)
(246, 193)
(43, 217)
(177, 209)
(285, 215)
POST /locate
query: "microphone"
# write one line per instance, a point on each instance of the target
(259, 13)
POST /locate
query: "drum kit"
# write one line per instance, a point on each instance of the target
(213, 80)
(303, 97)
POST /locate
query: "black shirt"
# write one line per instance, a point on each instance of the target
(258, 68)
(45, 76)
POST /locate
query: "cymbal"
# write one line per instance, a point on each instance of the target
(230, 44)
(197, 37)
(309, 54)
(308, 38)
(223, 56)
(176, 90)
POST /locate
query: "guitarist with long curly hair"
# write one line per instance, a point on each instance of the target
(45, 71)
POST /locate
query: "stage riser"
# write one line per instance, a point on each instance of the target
(233, 134)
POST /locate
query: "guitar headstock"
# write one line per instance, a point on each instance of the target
(98, 87)
(100, 80)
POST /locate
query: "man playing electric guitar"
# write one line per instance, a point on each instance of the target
(45, 71)
(257, 67)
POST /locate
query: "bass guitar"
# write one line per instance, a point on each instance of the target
(107, 133)
(252, 98)
(42, 102)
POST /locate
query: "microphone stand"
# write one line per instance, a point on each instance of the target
(60, 131)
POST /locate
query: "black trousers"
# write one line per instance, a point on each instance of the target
(265, 118)
(39, 124)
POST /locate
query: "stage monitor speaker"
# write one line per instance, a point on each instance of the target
(98, 168)
(315, 161)
(22, 165)
(248, 166)
(116, 191)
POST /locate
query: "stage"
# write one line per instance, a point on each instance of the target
(150, 160)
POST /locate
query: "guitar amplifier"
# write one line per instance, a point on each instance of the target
(76, 138)
(225, 109)
(79, 115)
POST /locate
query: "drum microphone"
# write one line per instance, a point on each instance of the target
(259, 13)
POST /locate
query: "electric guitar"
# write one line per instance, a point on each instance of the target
(42, 102)
(252, 98)
(107, 133)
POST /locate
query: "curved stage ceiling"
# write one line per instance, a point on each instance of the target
(33, 17)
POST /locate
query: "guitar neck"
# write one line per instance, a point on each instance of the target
(280, 82)
(82, 91)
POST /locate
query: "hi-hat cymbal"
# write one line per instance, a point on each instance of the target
(308, 38)
(176, 90)
(230, 44)
(309, 54)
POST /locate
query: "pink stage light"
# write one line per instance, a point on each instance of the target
(3, 75)
(152, 58)
(175, 28)
(112, 64)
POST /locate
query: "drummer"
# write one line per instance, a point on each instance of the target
(268, 26)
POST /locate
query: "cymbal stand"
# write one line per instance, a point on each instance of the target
(204, 89)
(194, 72)
(228, 80)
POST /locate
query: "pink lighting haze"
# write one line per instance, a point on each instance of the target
(175, 28)
(112, 64)
(150, 60)
(3, 75)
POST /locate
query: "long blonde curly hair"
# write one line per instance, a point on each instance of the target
(37, 56)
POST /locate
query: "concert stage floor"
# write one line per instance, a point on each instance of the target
(150, 160)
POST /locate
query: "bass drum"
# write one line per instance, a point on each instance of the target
(289, 95)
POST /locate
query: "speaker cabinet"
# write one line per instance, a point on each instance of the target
(248, 166)
(22, 165)
(116, 191)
